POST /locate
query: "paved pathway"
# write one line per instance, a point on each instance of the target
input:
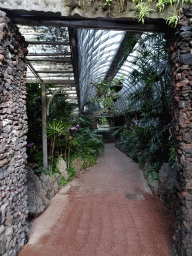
(109, 210)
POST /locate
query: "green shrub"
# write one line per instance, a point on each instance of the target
(89, 142)
(56, 161)
(172, 156)
(47, 171)
(71, 171)
(154, 171)
(63, 181)
(89, 160)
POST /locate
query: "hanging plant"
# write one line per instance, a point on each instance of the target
(143, 8)
(107, 95)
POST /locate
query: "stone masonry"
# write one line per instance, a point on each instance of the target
(13, 129)
(181, 61)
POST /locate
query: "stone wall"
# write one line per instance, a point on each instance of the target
(87, 9)
(181, 61)
(13, 129)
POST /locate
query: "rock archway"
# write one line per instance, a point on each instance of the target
(13, 126)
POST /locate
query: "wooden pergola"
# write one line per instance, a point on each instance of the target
(55, 59)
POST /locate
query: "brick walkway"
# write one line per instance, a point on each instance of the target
(108, 211)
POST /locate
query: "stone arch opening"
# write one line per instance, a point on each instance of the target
(14, 128)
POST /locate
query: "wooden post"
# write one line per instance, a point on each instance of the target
(44, 123)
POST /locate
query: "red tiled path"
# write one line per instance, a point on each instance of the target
(108, 211)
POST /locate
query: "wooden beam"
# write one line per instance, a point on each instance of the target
(49, 43)
(34, 71)
(51, 60)
(48, 54)
(150, 25)
(44, 124)
(63, 89)
(68, 92)
(65, 82)
(55, 72)
(74, 54)
(71, 82)
(63, 76)
(51, 76)
(72, 98)
(66, 86)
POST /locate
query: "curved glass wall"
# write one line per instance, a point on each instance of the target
(97, 49)
(102, 56)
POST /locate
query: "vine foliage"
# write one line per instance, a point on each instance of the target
(143, 8)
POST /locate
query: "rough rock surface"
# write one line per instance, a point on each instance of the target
(167, 185)
(78, 165)
(86, 9)
(153, 184)
(40, 191)
(13, 129)
(62, 167)
(180, 59)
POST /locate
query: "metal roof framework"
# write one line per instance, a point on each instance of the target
(50, 58)
(72, 52)
(72, 59)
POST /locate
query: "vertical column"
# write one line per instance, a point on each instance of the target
(181, 60)
(13, 129)
(44, 123)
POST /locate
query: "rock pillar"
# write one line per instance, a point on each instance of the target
(181, 61)
(13, 129)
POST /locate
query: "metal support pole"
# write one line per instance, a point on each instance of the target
(44, 123)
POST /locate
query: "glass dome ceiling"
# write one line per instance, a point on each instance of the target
(72, 59)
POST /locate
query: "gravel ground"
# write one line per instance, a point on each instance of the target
(108, 210)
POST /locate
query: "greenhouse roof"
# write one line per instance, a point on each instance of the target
(72, 58)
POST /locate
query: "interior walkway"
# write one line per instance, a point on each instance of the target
(109, 210)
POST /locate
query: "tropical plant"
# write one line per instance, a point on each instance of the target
(143, 8)
(71, 172)
(47, 171)
(60, 108)
(146, 131)
(60, 112)
(34, 113)
(89, 142)
(63, 181)
(106, 95)
(151, 77)
(89, 160)
(54, 130)
(154, 171)
(172, 156)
